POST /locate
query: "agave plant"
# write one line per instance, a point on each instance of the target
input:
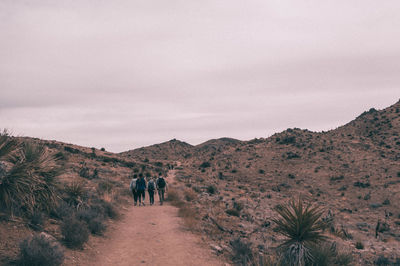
(28, 185)
(302, 225)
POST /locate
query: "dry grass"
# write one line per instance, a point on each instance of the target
(189, 194)
(186, 210)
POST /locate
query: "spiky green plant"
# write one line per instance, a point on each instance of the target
(302, 225)
(28, 185)
(8, 145)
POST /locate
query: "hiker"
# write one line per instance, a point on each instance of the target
(161, 187)
(141, 188)
(151, 187)
(133, 189)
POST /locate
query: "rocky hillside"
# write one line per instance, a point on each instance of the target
(232, 186)
(352, 171)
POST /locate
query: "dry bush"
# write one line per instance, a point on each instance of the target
(105, 186)
(189, 194)
(75, 232)
(41, 250)
(242, 252)
(173, 196)
(189, 215)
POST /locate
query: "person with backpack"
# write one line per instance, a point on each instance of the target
(161, 187)
(141, 188)
(132, 187)
(151, 187)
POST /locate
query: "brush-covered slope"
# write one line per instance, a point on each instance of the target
(352, 171)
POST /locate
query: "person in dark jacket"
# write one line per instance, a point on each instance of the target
(161, 187)
(151, 187)
(133, 189)
(141, 188)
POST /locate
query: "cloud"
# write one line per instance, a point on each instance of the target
(123, 74)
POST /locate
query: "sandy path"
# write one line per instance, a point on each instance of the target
(153, 235)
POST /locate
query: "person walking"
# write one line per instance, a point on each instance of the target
(133, 189)
(141, 188)
(161, 187)
(151, 187)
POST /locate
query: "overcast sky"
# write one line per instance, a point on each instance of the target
(126, 74)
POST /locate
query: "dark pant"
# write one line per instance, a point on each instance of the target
(151, 196)
(135, 194)
(140, 195)
(161, 192)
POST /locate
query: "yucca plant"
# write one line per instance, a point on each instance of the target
(8, 145)
(302, 225)
(75, 191)
(28, 185)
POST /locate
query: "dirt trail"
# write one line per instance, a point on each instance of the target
(153, 235)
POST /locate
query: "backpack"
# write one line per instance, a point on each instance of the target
(141, 184)
(150, 185)
(132, 186)
(161, 182)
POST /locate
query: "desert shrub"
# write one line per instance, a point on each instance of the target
(327, 255)
(60, 156)
(87, 214)
(71, 150)
(286, 140)
(84, 172)
(205, 165)
(386, 202)
(75, 192)
(110, 210)
(62, 210)
(95, 173)
(36, 220)
(105, 186)
(382, 260)
(75, 232)
(103, 149)
(291, 176)
(241, 251)
(359, 245)
(211, 189)
(261, 171)
(303, 227)
(189, 194)
(96, 226)
(291, 155)
(361, 184)
(173, 195)
(336, 178)
(29, 184)
(233, 212)
(237, 206)
(41, 250)
(398, 174)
